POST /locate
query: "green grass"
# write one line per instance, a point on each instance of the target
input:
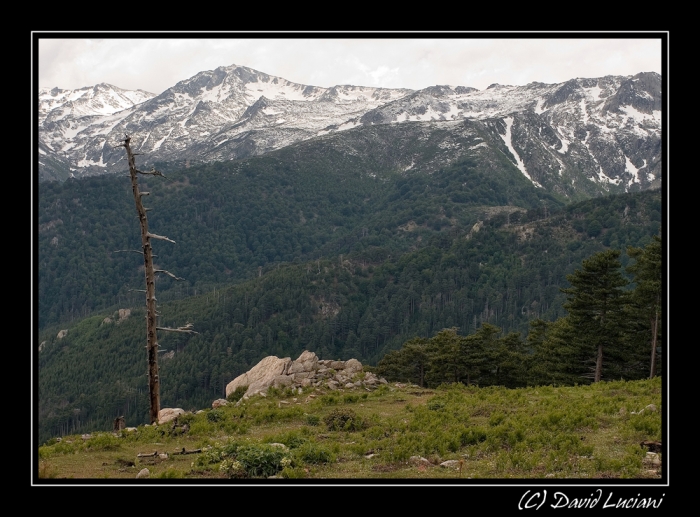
(495, 433)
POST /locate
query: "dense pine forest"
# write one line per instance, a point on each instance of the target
(276, 263)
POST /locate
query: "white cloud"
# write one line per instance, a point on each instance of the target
(156, 64)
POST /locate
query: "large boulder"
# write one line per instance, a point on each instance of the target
(352, 366)
(306, 362)
(167, 414)
(308, 370)
(261, 376)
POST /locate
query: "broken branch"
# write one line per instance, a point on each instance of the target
(187, 329)
(125, 251)
(168, 273)
(159, 237)
(183, 451)
(152, 172)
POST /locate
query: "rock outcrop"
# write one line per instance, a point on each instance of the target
(168, 414)
(306, 370)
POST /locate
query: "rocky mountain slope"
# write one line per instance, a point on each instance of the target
(584, 136)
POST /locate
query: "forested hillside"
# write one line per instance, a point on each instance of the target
(436, 256)
(325, 197)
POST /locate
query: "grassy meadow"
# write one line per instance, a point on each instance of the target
(398, 431)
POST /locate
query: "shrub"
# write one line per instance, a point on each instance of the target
(315, 454)
(102, 442)
(343, 420)
(291, 439)
(329, 400)
(215, 415)
(237, 395)
(262, 460)
(313, 419)
(171, 474)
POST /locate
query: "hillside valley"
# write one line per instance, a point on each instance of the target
(346, 221)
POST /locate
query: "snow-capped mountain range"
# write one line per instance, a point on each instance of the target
(607, 130)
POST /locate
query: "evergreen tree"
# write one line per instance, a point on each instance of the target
(408, 364)
(554, 357)
(646, 297)
(596, 303)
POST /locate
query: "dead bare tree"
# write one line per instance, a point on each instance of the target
(151, 314)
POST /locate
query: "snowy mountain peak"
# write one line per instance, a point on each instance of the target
(604, 131)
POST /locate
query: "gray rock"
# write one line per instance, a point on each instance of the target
(143, 473)
(307, 362)
(282, 380)
(167, 414)
(261, 376)
(419, 460)
(352, 366)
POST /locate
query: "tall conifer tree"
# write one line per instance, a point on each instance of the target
(646, 297)
(596, 306)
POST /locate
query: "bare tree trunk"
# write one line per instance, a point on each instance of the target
(151, 335)
(654, 330)
(599, 364)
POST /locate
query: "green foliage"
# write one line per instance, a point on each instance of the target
(237, 394)
(259, 461)
(102, 442)
(315, 454)
(589, 431)
(171, 473)
(391, 286)
(215, 415)
(596, 303)
(313, 420)
(343, 419)
(645, 307)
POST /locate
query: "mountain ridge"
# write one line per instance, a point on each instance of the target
(603, 131)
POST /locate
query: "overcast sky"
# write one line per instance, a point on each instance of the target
(155, 64)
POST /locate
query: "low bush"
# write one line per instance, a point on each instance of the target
(343, 420)
(237, 394)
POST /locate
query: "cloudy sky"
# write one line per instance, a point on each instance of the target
(415, 62)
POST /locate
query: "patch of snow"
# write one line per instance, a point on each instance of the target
(41, 151)
(629, 167)
(144, 140)
(271, 111)
(282, 90)
(637, 116)
(539, 109)
(564, 145)
(508, 141)
(157, 145)
(603, 178)
(454, 113)
(347, 125)
(86, 163)
(217, 94)
(594, 92)
(280, 121)
(584, 113)
(482, 144)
